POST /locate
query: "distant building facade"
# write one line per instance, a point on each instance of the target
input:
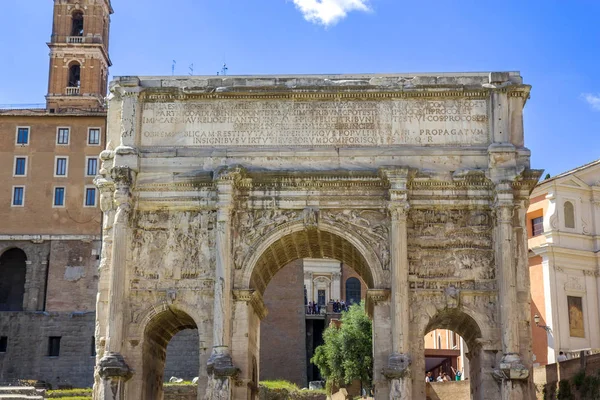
(563, 222)
(50, 231)
(300, 300)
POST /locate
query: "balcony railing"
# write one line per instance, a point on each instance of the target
(73, 91)
(75, 39)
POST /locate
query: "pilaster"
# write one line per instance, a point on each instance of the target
(112, 367)
(220, 366)
(399, 361)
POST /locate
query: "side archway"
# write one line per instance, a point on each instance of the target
(13, 268)
(157, 334)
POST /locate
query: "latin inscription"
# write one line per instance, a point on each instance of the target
(231, 123)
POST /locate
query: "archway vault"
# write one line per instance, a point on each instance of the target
(457, 321)
(308, 243)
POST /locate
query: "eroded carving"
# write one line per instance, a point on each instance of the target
(370, 225)
(467, 232)
(251, 225)
(172, 245)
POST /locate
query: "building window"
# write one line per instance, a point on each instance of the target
(321, 297)
(94, 136)
(91, 166)
(54, 346)
(576, 328)
(537, 226)
(569, 212)
(3, 344)
(18, 199)
(59, 197)
(77, 24)
(62, 136)
(20, 166)
(23, 135)
(93, 348)
(352, 291)
(90, 197)
(61, 167)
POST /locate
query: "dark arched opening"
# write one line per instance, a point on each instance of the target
(157, 335)
(12, 280)
(74, 75)
(77, 24)
(353, 295)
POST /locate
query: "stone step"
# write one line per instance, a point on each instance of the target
(20, 393)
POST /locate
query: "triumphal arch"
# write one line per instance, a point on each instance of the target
(210, 185)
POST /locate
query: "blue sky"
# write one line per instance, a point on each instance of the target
(555, 45)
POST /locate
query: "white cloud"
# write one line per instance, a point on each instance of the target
(329, 12)
(593, 100)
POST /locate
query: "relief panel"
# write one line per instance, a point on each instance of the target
(432, 233)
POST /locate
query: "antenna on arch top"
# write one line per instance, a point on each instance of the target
(224, 69)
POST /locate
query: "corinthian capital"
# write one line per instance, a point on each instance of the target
(399, 210)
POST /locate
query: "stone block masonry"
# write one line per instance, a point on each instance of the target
(26, 355)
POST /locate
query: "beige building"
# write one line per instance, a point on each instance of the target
(563, 222)
(49, 237)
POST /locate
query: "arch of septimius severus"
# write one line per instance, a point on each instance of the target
(210, 185)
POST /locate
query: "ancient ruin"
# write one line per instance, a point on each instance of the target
(210, 185)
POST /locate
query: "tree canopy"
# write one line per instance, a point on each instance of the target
(347, 351)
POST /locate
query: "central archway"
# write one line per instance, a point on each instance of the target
(296, 241)
(285, 246)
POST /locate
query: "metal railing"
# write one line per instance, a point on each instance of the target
(22, 106)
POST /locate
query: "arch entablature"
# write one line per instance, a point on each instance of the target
(296, 239)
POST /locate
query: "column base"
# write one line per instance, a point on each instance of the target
(220, 363)
(114, 372)
(398, 366)
(511, 368)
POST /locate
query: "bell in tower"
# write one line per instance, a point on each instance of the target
(79, 58)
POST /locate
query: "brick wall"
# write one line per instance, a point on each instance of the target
(73, 276)
(546, 377)
(27, 353)
(283, 331)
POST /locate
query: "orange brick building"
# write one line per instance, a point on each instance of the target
(50, 231)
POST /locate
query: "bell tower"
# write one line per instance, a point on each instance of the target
(79, 59)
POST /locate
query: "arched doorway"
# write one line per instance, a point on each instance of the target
(280, 250)
(157, 335)
(12, 279)
(451, 327)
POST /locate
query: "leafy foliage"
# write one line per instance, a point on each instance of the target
(347, 352)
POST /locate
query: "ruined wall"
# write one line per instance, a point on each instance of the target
(73, 275)
(182, 356)
(283, 331)
(27, 353)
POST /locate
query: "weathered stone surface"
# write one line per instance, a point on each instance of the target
(221, 182)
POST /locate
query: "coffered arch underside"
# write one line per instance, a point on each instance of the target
(295, 241)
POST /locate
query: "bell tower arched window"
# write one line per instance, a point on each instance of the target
(569, 212)
(74, 75)
(12, 280)
(352, 291)
(77, 24)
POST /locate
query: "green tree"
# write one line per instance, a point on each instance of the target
(347, 352)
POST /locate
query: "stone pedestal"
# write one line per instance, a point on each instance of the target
(114, 372)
